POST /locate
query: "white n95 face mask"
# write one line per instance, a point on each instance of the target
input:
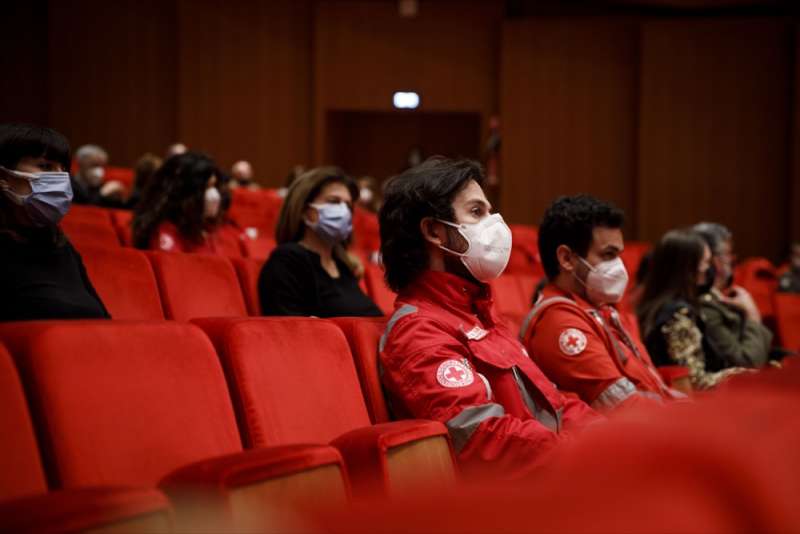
(606, 282)
(211, 203)
(489, 246)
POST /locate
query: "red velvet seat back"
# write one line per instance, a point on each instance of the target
(91, 234)
(364, 335)
(248, 271)
(125, 282)
(377, 289)
(787, 320)
(259, 248)
(122, 224)
(509, 301)
(122, 403)
(197, 285)
(20, 467)
(292, 378)
(257, 209)
(82, 213)
(759, 277)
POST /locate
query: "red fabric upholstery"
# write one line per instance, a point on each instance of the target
(248, 270)
(632, 256)
(671, 373)
(525, 251)
(241, 469)
(366, 230)
(257, 209)
(125, 282)
(292, 379)
(364, 334)
(86, 234)
(378, 291)
(119, 403)
(20, 467)
(122, 224)
(80, 213)
(259, 248)
(197, 285)
(81, 509)
(758, 276)
(787, 319)
(365, 449)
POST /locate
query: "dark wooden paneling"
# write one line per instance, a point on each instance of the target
(112, 74)
(244, 82)
(378, 143)
(794, 194)
(568, 105)
(364, 52)
(23, 62)
(714, 135)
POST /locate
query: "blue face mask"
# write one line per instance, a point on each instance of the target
(335, 222)
(49, 199)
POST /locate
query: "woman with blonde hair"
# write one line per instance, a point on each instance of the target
(311, 272)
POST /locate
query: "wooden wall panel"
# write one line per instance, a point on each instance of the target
(244, 82)
(568, 106)
(112, 74)
(714, 135)
(794, 193)
(364, 52)
(23, 62)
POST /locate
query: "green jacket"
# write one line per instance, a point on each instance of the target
(736, 340)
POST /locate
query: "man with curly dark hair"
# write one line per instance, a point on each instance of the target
(574, 332)
(445, 355)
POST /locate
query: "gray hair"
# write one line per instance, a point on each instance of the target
(90, 150)
(714, 233)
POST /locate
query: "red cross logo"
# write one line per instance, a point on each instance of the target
(454, 374)
(572, 341)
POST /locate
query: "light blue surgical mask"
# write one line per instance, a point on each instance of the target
(49, 199)
(335, 222)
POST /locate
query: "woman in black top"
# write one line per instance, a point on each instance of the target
(311, 272)
(41, 274)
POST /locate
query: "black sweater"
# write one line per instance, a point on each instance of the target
(293, 282)
(44, 278)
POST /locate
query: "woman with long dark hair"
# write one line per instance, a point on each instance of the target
(669, 308)
(41, 274)
(182, 208)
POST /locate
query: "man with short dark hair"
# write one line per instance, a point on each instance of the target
(574, 332)
(445, 355)
(789, 281)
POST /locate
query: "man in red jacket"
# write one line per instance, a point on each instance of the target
(574, 332)
(445, 354)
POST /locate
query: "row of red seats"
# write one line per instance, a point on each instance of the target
(242, 413)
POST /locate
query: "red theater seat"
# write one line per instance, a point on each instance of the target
(255, 209)
(197, 285)
(121, 220)
(787, 319)
(147, 403)
(125, 282)
(377, 289)
(90, 234)
(632, 256)
(525, 251)
(293, 381)
(248, 271)
(366, 230)
(259, 248)
(363, 335)
(25, 505)
(87, 214)
(510, 301)
(758, 276)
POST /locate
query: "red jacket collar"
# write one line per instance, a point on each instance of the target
(454, 292)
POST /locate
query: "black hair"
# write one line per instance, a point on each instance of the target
(713, 233)
(426, 190)
(176, 193)
(19, 141)
(570, 221)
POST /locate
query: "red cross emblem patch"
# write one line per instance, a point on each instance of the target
(572, 341)
(454, 374)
